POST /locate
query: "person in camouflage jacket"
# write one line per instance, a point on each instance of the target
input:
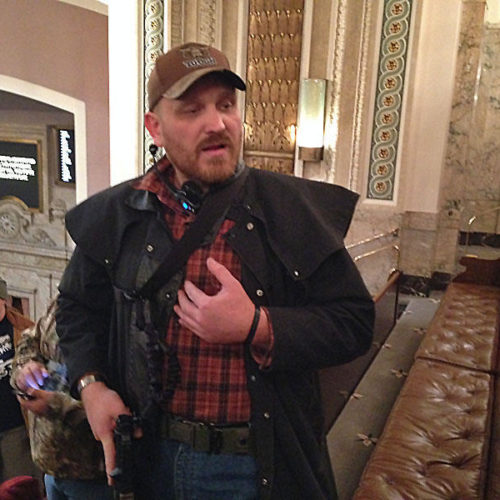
(62, 444)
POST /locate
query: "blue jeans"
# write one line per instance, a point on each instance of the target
(180, 473)
(76, 489)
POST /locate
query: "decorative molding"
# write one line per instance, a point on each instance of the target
(360, 96)
(176, 20)
(153, 46)
(333, 112)
(388, 99)
(209, 22)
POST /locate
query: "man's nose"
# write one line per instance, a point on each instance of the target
(214, 120)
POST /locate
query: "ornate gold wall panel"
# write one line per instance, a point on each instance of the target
(273, 66)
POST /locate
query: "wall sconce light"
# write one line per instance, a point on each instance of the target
(311, 119)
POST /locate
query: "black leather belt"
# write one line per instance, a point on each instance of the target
(205, 437)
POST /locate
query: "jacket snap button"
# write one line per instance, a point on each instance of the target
(150, 248)
(296, 273)
(259, 292)
(264, 481)
(250, 226)
(267, 415)
(253, 378)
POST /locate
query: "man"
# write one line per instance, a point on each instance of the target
(267, 299)
(15, 458)
(61, 441)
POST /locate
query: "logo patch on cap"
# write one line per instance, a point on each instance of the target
(197, 57)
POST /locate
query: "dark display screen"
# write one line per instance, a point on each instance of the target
(66, 155)
(19, 171)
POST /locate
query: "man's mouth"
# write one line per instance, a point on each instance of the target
(213, 148)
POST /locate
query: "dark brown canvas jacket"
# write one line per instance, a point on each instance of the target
(289, 236)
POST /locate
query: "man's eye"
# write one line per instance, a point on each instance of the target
(227, 105)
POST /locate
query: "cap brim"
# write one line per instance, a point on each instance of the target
(179, 87)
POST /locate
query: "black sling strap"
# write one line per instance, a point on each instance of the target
(213, 207)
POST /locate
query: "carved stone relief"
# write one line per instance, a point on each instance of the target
(207, 22)
(16, 225)
(176, 22)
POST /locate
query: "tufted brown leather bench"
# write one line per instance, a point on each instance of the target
(442, 437)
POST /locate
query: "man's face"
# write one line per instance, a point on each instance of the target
(200, 131)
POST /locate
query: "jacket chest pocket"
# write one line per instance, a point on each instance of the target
(143, 248)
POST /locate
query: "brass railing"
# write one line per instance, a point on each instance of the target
(378, 250)
(393, 232)
(392, 246)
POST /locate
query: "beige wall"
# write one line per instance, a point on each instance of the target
(63, 48)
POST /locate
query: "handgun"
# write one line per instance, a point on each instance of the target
(123, 473)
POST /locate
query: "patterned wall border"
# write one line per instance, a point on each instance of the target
(153, 46)
(388, 99)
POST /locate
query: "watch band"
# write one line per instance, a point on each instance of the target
(88, 379)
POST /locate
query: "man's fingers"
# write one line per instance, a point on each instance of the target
(40, 374)
(186, 305)
(30, 380)
(220, 272)
(108, 447)
(195, 295)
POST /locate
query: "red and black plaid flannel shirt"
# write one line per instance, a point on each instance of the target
(213, 386)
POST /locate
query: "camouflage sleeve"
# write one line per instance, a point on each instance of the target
(27, 349)
(63, 407)
(40, 343)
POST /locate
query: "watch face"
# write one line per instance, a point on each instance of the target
(9, 225)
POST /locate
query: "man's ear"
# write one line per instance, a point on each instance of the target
(153, 125)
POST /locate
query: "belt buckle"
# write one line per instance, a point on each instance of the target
(182, 431)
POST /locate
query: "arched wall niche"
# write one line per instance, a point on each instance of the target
(34, 245)
(66, 103)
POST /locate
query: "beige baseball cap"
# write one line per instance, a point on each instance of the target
(176, 70)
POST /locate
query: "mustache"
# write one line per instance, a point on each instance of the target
(215, 140)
